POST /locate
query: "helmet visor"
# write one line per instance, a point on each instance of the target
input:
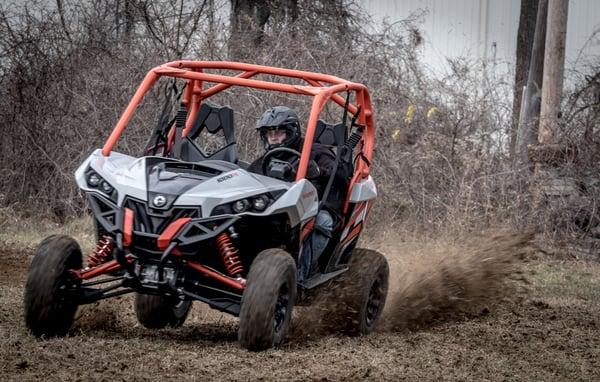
(278, 136)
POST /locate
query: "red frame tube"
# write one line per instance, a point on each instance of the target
(321, 86)
(109, 266)
(128, 227)
(217, 276)
(170, 232)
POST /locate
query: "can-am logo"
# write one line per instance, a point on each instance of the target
(159, 201)
(226, 177)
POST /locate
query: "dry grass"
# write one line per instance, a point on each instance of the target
(26, 233)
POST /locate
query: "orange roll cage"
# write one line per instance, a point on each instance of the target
(321, 87)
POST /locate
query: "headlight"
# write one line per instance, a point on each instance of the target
(257, 203)
(240, 206)
(107, 188)
(93, 180)
(260, 203)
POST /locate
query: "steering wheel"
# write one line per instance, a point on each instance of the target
(312, 171)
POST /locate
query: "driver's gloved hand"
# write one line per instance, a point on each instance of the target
(280, 169)
(313, 171)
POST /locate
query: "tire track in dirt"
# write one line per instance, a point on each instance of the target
(14, 265)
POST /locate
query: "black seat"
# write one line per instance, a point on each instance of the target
(213, 119)
(334, 136)
(330, 134)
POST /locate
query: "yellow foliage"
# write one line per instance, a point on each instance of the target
(410, 114)
(432, 110)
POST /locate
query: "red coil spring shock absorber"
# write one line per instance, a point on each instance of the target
(103, 249)
(229, 254)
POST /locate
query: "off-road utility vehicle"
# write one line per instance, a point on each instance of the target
(179, 224)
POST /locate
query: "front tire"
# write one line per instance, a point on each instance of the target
(157, 312)
(49, 306)
(268, 300)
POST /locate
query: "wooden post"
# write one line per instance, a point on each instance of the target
(554, 65)
(549, 155)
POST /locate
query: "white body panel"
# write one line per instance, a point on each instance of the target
(364, 190)
(128, 176)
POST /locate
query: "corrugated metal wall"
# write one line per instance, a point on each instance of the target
(486, 28)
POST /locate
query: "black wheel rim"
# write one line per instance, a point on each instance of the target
(374, 302)
(281, 308)
(66, 289)
(180, 307)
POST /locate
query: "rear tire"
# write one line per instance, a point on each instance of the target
(361, 292)
(157, 312)
(268, 300)
(49, 308)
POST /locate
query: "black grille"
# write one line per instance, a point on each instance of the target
(149, 220)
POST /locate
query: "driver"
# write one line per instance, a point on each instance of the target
(279, 127)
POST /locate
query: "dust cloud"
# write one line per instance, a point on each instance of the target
(446, 281)
(433, 282)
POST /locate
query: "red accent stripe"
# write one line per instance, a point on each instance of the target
(355, 231)
(241, 284)
(359, 209)
(306, 229)
(128, 227)
(169, 233)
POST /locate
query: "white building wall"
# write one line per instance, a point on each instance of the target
(486, 29)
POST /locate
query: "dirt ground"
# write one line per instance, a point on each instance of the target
(475, 311)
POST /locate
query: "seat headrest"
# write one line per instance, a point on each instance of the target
(330, 134)
(214, 118)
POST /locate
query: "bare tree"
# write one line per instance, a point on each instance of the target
(251, 20)
(247, 24)
(172, 24)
